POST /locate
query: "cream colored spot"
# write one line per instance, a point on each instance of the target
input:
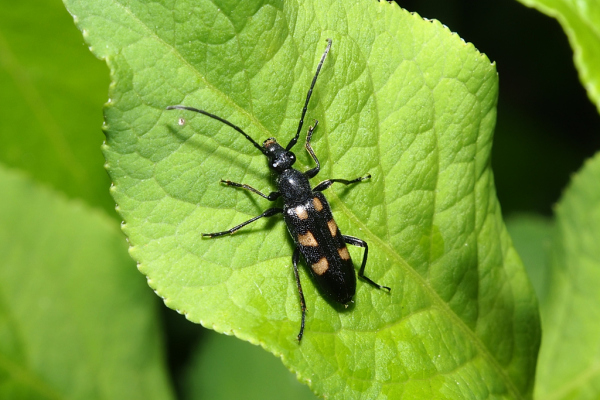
(307, 240)
(301, 212)
(343, 252)
(332, 227)
(317, 203)
(321, 266)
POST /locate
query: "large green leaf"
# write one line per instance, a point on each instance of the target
(51, 92)
(399, 97)
(75, 320)
(581, 21)
(569, 356)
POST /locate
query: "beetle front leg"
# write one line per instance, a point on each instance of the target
(361, 273)
(311, 173)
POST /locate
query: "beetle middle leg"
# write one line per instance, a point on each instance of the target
(361, 273)
(269, 213)
(295, 260)
(325, 184)
(311, 173)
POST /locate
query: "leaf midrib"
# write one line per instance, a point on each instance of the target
(436, 299)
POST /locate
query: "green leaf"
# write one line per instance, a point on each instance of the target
(52, 91)
(581, 22)
(532, 236)
(76, 321)
(568, 363)
(225, 368)
(398, 97)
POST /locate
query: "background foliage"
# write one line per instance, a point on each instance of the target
(52, 92)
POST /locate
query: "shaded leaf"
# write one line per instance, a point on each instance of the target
(568, 362)
(226, 368)
(581, 22)
(76, 321)
(532, 236)
(52, 90)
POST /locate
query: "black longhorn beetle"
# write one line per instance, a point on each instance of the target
(306, 213)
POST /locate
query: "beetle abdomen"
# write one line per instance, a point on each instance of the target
(314, 230)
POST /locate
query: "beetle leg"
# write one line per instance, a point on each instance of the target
(271, 196)
(312, 172)
(325, 184)
(269, 213)
(361, 273)
(295, 259)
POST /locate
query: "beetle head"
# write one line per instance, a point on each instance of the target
(280, 159)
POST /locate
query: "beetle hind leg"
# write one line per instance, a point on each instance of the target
(295, 260)
(361, 273)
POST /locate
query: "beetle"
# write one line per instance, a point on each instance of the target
(306, 213)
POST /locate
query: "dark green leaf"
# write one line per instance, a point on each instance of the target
(226, 368)
(532, 236)
(50, 98)
(568, 362)
(76, 319)
(580, 21)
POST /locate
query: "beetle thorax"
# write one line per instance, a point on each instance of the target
(293, 186)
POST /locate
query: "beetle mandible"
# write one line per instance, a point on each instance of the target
(306, 213)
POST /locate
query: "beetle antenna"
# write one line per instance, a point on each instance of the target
(312, 85)
(213, 116)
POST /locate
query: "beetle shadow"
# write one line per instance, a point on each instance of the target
(343, 192)
(189, 139)
(254, 199)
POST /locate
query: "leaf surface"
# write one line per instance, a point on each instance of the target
(52, 91)
(224, 368)
(76, 321)
(569, 356)
(398, 97)
(580, 20)
(532, 237)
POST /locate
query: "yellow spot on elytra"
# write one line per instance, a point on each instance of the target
(307, 240)
(317, 203)
(343, 252)
(332, 227)
(301, 212)
(321, 266)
